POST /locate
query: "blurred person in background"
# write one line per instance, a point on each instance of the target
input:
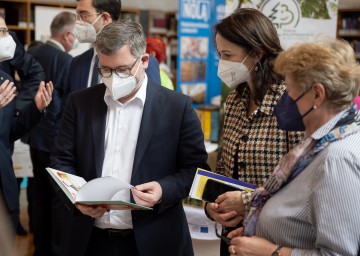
(157, 48)
(55, 60)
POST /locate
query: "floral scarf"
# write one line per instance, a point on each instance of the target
(295, 161)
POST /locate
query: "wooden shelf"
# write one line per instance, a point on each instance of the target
(348, 28)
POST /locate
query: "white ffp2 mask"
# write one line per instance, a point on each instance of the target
(233, 73)
(85, 32)
(7, 48)
(120, 87)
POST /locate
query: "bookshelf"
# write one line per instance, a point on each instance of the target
(348, 28)
(164, 25)
(19, 15)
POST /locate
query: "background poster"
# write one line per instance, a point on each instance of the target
(295, 20)
(197, 60)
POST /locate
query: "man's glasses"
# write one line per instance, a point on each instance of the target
(82, 15)
(3, 32)
(122, 72)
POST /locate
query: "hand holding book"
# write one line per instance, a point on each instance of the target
(97, 192)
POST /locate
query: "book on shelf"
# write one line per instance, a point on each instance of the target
(99, 191)
(209, 119)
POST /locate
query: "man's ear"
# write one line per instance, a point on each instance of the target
(145, 60)
(106, 18)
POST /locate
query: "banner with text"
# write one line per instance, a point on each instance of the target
(295, 20)
(197, 60)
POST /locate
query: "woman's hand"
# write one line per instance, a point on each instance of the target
(256, 246)
(43, 96)
(228, 209)
(7, 93)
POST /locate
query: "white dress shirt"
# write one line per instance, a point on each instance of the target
(121, 135)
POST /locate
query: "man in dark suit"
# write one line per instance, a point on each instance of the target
(92, 16)
(28, 69)
(13, 125)
(137, 131)
(55, 60)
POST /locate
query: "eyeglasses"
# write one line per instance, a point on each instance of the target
(122, 72)
(3, 32)
(82, 15)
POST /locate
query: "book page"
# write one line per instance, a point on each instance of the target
(69, 183)
(101, 189)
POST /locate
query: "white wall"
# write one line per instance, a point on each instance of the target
(163, 5)
(349, 4)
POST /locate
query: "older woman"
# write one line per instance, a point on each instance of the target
(310, 203)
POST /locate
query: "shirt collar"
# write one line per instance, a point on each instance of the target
(61, 47)
(327, 127)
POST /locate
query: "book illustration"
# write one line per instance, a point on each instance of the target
(201, 181)
(99, 191)
(69, 183)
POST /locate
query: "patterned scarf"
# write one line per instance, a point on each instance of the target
(295, 161)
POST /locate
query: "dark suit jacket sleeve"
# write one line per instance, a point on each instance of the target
(153, 70)
(25, 120)
(191, 155)
(30, 73)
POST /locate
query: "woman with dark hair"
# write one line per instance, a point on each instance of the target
(253, 143)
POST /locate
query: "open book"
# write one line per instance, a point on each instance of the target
(99, 191)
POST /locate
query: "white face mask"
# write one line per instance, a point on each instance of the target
(120, 87)
(233, 73)
(7, 48)
(85, 32)
(75, 44)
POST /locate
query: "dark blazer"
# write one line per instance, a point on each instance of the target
(56, 64)
(13, 124)
(169, 149)
(29, 71)
(80, 68)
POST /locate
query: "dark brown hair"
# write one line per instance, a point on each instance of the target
(253, 31)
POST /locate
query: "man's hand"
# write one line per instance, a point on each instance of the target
(43, 96)
(147, 194)
(92, 211)
(7, 93)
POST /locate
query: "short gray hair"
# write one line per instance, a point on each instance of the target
(62, 21)
(120, 33)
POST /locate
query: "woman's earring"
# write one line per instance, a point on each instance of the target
(256, 68)
(314, 107)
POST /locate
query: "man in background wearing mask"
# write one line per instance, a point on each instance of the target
(55, 60)
(139, 132)
(14, 124)
(92, 16)
(14, 58)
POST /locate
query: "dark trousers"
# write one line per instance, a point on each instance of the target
(112, 243)
(47, 218)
